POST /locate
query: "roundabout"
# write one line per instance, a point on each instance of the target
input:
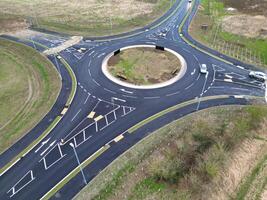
(162, 67)
(107, 115)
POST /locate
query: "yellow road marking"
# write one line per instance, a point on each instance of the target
(118, 138)
(64, 111)
(91, 115)
(98, 118)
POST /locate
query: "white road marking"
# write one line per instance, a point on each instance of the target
(41, 154)
(42, 144)
(228, 80)
(13, 189)
(96, 82)
(157, 97)
(128, 96)
(86, 99)
(172, 94)
(110, 91)
(193, 72)
(189, 86)
(76, 115)
(126, 91)
(115, 98)
(266, 91)
(228, 76)
(89, 72)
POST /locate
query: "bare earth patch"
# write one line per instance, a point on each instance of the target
(144, 66)
(242, 25)
(83, 17)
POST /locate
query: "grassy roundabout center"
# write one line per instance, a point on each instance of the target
(144, 66)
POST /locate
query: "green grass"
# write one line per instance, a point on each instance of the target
(146, 187)
(22, 107)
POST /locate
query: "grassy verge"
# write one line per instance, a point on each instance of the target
(248, 50)
(179, 160)
(51, 126)
(29, 92)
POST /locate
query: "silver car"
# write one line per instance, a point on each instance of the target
(203, 69)
(260, 76)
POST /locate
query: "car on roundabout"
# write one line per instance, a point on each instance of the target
(260, 76)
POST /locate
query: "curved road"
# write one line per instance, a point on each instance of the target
(102, 116)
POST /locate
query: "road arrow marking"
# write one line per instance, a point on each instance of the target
(43, 143)
(48, 148)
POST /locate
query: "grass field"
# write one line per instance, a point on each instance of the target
(144, 66)
(187, 159)
(29, 86)
(84, 17)
(252, 50)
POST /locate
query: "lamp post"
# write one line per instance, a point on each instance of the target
(73, 147)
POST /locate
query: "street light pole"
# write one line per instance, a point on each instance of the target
(73, 147)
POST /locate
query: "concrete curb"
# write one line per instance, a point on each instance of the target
(154, 86)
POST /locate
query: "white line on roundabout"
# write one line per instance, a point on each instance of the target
(154, 86)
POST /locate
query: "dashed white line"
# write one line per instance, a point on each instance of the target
(96, 82)
(128, 96)
(172, 94)
(157, 97)
(110, 91)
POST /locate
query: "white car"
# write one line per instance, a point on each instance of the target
(203, 69)
(260, 76)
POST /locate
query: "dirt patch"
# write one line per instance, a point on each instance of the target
(246, 25)
(84, 17)
(12, 25)
(241, 162)
(144, 66)
(252, 7)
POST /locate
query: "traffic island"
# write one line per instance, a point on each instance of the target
(144, 67)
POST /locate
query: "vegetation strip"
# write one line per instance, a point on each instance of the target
(157, 115)
(50, 128)
(212, 147)
(74, 172)
(244, 188)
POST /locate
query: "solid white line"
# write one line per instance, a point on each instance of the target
(96, 127)
(266, 91)
(76, 115)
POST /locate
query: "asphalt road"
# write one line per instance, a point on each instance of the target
(102, 110)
